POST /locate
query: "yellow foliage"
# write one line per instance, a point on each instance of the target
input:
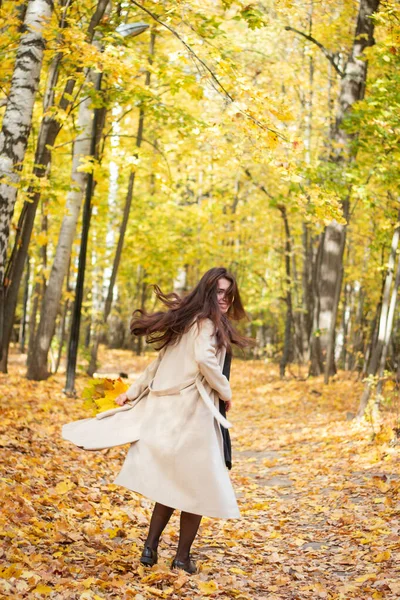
(207, 587)
(301, 472)
(64, 487)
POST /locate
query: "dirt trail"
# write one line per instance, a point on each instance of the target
(319, 500)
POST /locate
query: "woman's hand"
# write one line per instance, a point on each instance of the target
(121, 399)
(228, 404)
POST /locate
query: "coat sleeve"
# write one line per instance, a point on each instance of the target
(144, 379)
(205, 351)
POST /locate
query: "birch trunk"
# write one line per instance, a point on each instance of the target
(37, 365)
(63, 324)
(388, 333)
(48, 132)
(17, 119)
(385, 321)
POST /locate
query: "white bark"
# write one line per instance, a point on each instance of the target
(379, 352)
(18, 115)
(389, 329)
(382, 336)
(37, 365)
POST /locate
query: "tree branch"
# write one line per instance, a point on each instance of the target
(326, 52)
(214, 78)
(259, 185)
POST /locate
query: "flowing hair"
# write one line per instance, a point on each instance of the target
(166, 327)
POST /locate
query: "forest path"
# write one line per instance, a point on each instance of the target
(319, 500)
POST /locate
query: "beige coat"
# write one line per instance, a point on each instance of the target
(173, 424)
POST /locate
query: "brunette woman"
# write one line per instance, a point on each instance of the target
(171, 413)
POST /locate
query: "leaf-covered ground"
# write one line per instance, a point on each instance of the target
(319, 497)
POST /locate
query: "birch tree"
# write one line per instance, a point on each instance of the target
(49, 130)
(389, 299)
(17, 119)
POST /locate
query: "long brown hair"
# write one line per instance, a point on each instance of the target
(166, 327)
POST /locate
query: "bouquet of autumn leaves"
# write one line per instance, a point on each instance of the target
(100, 394)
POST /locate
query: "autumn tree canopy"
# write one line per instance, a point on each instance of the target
(152, 140)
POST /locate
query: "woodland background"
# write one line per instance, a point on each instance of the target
(263, 137)
(143, 143)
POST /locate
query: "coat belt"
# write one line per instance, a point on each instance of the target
(198, 382)
(203, 394)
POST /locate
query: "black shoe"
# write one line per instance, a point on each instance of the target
(187, 565)
(149, 557)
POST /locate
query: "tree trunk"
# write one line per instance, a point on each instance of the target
(388, 333)
(289, 305)
(124, 223)
(352, 89)
(25, 308)
(17, 119)
(316, 362)
(385, 326)
(48, 132)
(298, 349)
(37, 366)
(17, 122)
(357, 335)
(80, 280)
(330, 366)
(307, 295)
(373, 338)
(21, 11)
(33, 316)
(343, 329)
(63, 326)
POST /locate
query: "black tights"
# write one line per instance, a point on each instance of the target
(189, 526)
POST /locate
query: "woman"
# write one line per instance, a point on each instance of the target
(170, 414)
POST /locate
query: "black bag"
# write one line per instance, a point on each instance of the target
(225, 432)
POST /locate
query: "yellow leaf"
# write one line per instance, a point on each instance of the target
(113, 532)
(366, 577)
(154, 591)
(88, 582)
(261, 506)
(11, 571)
(43, 589)
(106, 403)
(382, 556)
(120, 387)
(64, 486)
(237, 571)
(274, 534)
(382, 485)
(207, 587)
